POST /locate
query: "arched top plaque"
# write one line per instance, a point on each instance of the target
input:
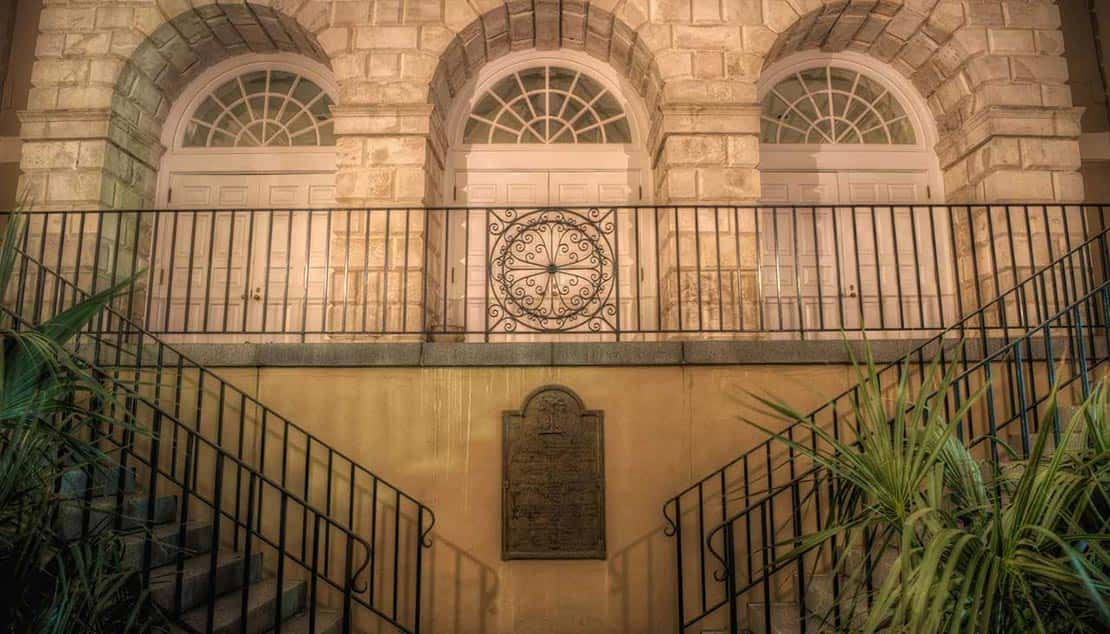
(553, 493)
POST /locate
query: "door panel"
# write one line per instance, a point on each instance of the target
(222, 271)
(887, 266)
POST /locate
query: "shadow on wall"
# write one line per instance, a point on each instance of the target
(461, 590)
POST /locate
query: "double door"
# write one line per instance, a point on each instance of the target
(241, 253)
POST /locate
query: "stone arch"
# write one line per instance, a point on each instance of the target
(545, 25)
(915, 37)
(163, 64)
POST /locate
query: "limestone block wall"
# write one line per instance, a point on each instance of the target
(106, 72)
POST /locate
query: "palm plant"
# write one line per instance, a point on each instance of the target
(1016, 550)
(51, 408)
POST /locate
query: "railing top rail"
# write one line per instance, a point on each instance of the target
(967, 372)
(959, 326)
(134, 328)
(645, 206)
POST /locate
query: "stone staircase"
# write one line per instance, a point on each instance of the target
(191, 546)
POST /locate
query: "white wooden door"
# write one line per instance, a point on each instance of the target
(467, 285)
(873, 262)
(221, 267)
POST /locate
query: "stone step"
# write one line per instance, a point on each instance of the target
(327, 622)
(105, 482)
(260, 608)
(165, 542)
(196, 585)
(102, 514)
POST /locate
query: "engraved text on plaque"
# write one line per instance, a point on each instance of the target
(553, 498)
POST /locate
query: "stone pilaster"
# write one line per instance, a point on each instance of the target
(388, 169)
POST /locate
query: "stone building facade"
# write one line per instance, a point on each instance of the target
(389, 111)
(994, 76)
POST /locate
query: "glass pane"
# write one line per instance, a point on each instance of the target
(281, 137)
(503, 136)
(806, 108)
(868, 121)
(534, 79)
(849, 135)
(305, 91)
(560, 133)
(840, 103)
(196, 134)
(789, 135)
(791, 88)
(507, 120)
(222, 139)
(902, 132)
(507, 88)
(607, 107)
(539, 103)
(867, 89)
(842, 79)
(561, 79)
(208, 110)
(228, 93)
(255, 82)
(281, 82)
(618, 132)
(476, 132)
(773, 107)
(816, 79)
(590, 136)
(888, 107)
(876, 136)
(487, 107)
(587, 88)
(855, 110)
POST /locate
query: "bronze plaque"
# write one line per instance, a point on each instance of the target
(553, 495)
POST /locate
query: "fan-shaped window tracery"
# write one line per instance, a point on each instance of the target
(264, 108)
(547, 105)
(833, 105)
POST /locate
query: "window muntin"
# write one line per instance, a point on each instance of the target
(264, 108)
(832, 105)
(547, 105)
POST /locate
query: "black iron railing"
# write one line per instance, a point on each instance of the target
(602, 272)
(253, 480)
(729, 526)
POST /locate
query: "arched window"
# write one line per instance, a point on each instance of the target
(262, 108)
(831, 105)
(547, 105)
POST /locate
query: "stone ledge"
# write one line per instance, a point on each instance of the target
(673, 353)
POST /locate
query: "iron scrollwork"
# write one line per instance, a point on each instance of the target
(552, 270)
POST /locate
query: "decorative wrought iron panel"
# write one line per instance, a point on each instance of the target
(551, 270)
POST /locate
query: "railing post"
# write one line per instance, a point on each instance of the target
(730, 580)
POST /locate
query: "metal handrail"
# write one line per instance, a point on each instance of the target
(976, 321)
(727, 557)
(117, 340)
(636, 272)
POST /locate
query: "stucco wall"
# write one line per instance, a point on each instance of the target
(436, 432)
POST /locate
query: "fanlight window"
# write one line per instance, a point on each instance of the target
(546, 105)
(834, 105)
(266, 108)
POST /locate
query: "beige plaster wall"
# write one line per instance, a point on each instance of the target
(437, 434)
